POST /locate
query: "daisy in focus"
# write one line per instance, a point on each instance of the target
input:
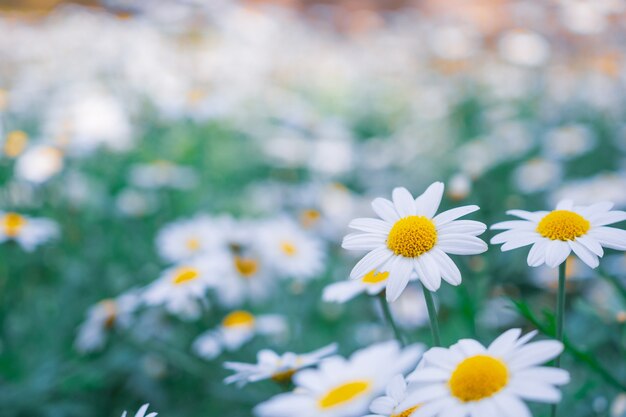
(470, 380)
(342, 387)
(142, 412)
(395, 403)
(235, 330)
(554, 235)
(279, 368)
(410, 238)
(27, 231)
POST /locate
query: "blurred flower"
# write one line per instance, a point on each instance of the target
(236, 329)
(163, 174)
(15, 143)
(602, 187)
(27, 231)
(342, 387)
(410, 310)
(135, 203)
(411, 239)
(188, 238)
(371, 283)
(524, 47)
(468, 376)
(39, 163)
(537, 175)
(280, 368)
(395, 403)
(569, 141)
(142, 412)
(554, 235)
(459, 187)
(104, 317)
(618, 408)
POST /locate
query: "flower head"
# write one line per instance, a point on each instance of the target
(28, 232)
(395, 403)
(409, 238)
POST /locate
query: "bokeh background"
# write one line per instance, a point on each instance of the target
(119, 117)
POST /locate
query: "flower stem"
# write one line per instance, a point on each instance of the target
(432, 315)
(389, 318)
(560, 316)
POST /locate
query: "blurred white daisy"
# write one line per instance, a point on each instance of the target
(27, 231)
(290, 251)
(342, 387)
(103, 317)
(270, 365)
(409, 310)
(470, 380)
(371, 283)
(395, 403)
(410, 238)
(182, 289)
(188, 238)
(142, 412)
(555, 234)
(39, 163)
(236, 329)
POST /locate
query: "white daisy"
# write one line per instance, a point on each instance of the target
(280, 368)
(470, 380)
(555, 234)
(182, 288)
(188, 238)
(27, 231)
(142, 412)
(291, 251)
(410, 239)
(371, 283)
(395, 403)
(342, 387)
(236, 329)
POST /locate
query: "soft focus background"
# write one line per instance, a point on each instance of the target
(122, 116)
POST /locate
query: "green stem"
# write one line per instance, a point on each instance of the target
(560, 317)
(432, 316)
(389, 318)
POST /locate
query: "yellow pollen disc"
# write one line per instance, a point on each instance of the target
(246, 267)
(563, 225)
(478, 377)
(184, 275)
(288, 248)
(12, 223)
(374, 277)
(193, 244)
(238, 318)
(110, 312)
(343, 394)
(407, 412)
(412, 236)
(309, 217)
(15, 143)
(283, 377)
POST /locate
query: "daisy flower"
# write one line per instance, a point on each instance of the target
(395, 403)
(290, 251)
(142, 412)
(409, 238)
(470, 380)
(554, 235)
(342, 387)
(371, 283)
(236, 329)
(182, 288)
(188, 238)
(270, 365)
(27, 231)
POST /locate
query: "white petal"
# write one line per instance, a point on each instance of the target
(370, 225)
(457, 244)
(610, 237)
(505, 342)
(382, 405)
(591, 244)
(548, 375)
(428, 203)
(449, 271)
(535, 391)
(363, 241)
(442, 358)
(594, 209)
(385, 210)
(535, 216)
(537, 254)
(428, 277)
(469, 227)
(453, 214)
(370, 261)
(565, 205)
(399, 275)
(520, 241)
(396, 388)
(534, 354)
(511, 406)
(429, 374)
(602, 219)
(584, 254)
(403, 201)
(514, 224)
(556, 253)
(469, 347)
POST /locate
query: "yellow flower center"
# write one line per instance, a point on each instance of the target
(407, 413)
(193, 244)
(12, 223)
(238, 318)
(343, 393)
(412, 236)
(309, 217)
(246, 267)
(478, 377)
(563, 225)
(374, 277)
(283, 377)
(15, 143)
(110, 312)
(288, 248)
(184, 275)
